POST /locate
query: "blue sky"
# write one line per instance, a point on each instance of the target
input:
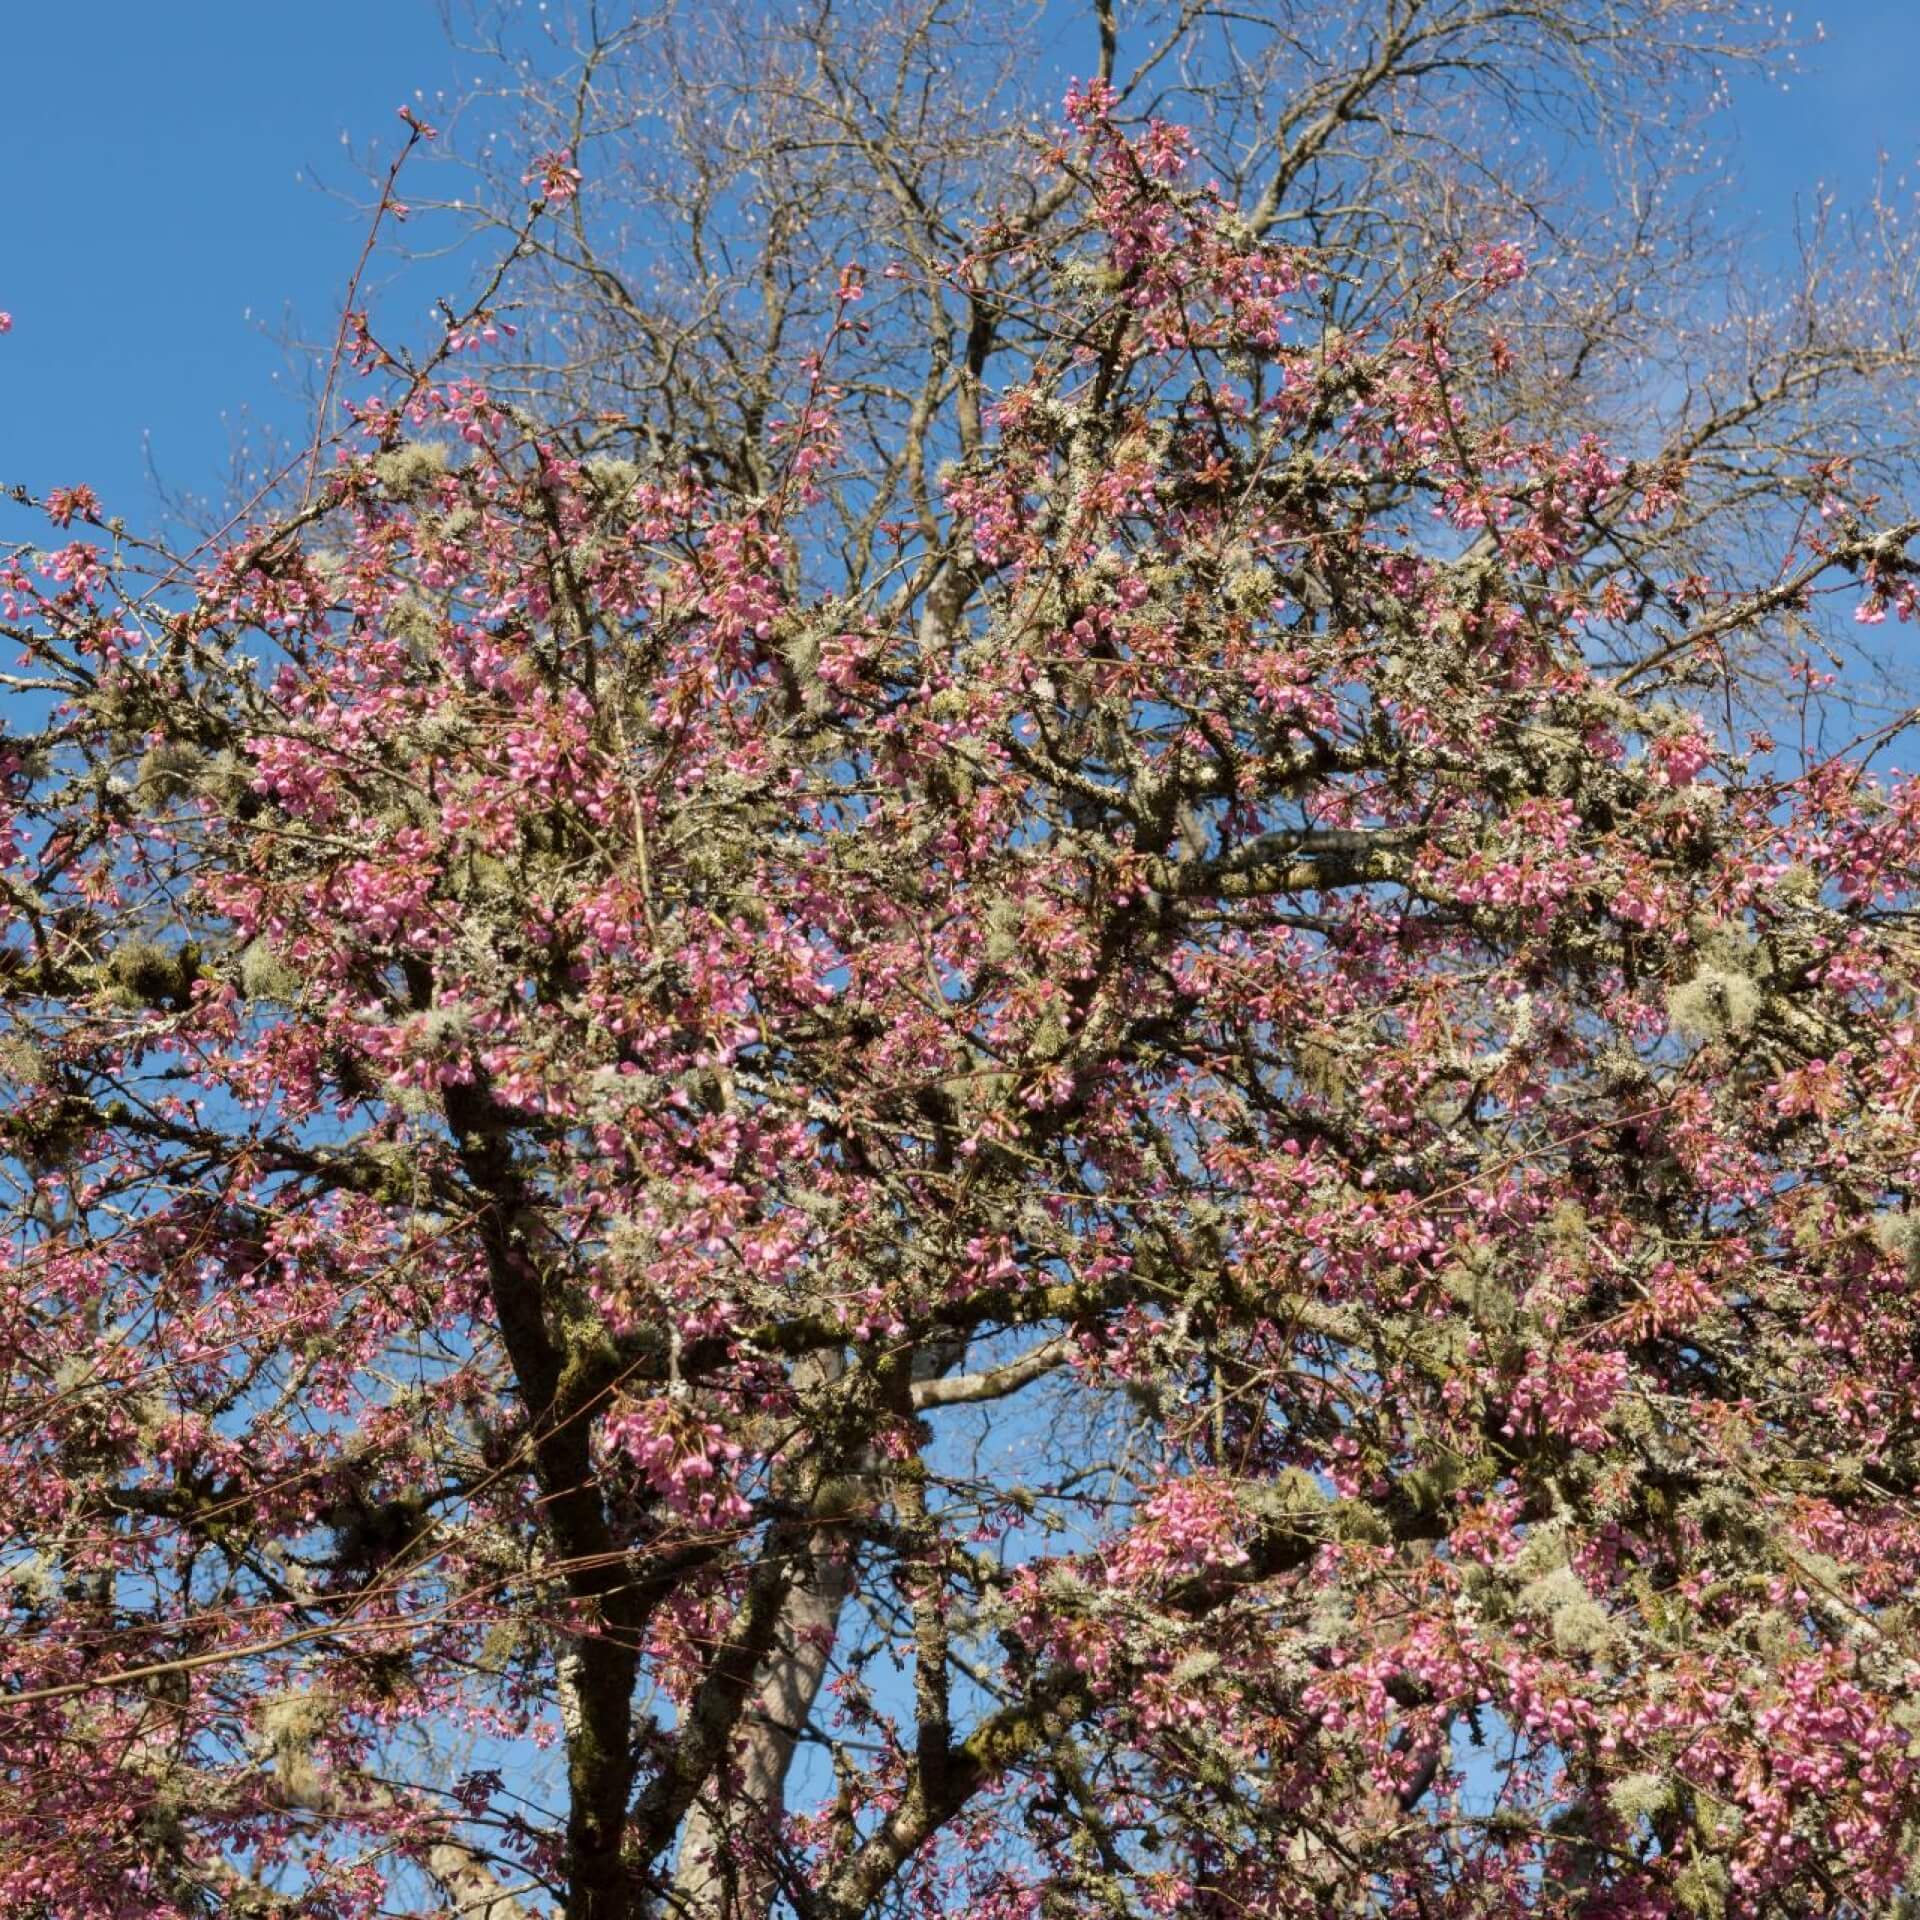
(1854, 99)
(160, 165)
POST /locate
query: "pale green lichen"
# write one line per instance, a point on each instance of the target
(1543, 1551)
(1577, 1622)
(1251, 590)
(168, 772)
(36, 1579)
(1641, 1796)
(226, 780)
(446, 1024)
(1196, 1666)
(142, 973)
(612, 479)
(411, 620)
(1003, 928)
(297, 1716)
(1714, 1005)
(22, 1064)
(410, 468)
(1899, 1235)
(264, 975)
(1701, 1887)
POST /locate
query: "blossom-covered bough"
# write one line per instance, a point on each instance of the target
(1220, 1237)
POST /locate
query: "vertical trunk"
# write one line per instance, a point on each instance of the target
(596, 1694)
(562, 1380)
(726, 1864)
(725, 1869)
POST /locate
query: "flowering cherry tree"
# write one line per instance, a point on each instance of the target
(1219, 1236)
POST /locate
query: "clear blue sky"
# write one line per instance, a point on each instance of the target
(154, 157)
(1854, 100)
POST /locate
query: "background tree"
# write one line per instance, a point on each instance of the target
(732, 157)
(1202, 1223)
